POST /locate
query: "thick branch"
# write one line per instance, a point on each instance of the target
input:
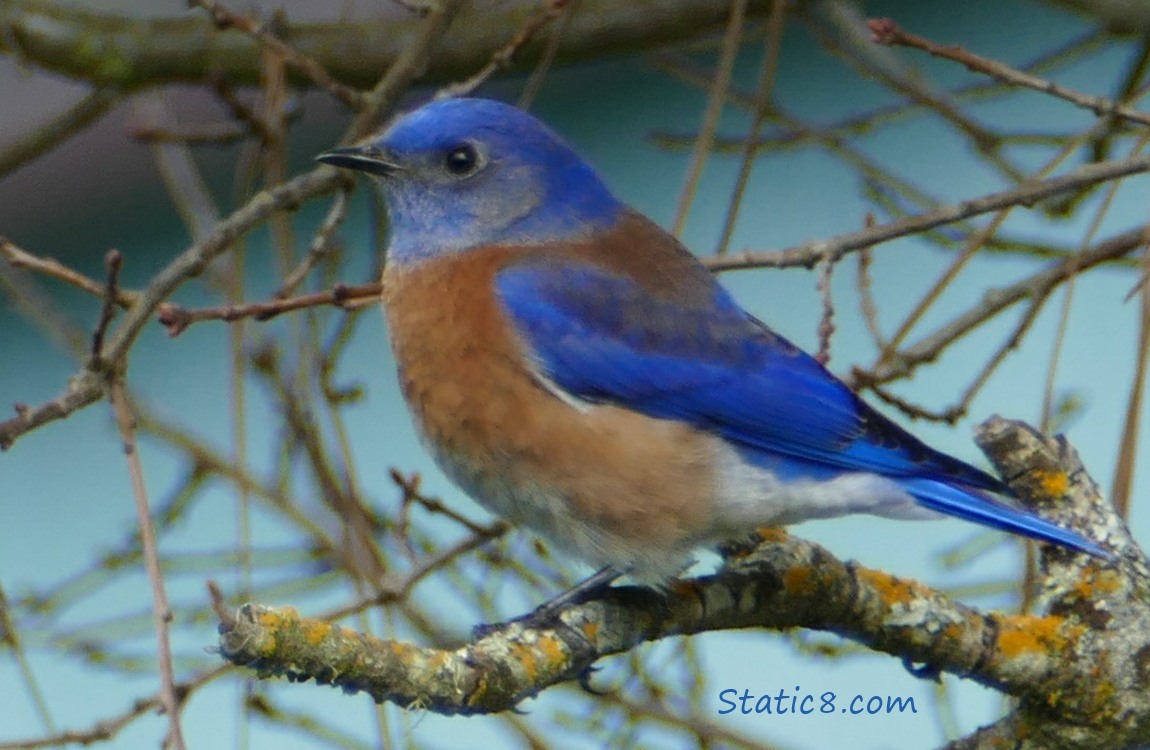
(1075, 668)
(129, 52)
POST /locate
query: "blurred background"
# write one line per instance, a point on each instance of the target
(279, 458)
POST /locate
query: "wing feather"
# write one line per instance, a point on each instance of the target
(604, 338)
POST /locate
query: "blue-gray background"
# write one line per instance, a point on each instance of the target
(64, 494)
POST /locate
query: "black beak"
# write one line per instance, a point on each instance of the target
(364, 158)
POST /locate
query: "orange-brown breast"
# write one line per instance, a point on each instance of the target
(503, 436)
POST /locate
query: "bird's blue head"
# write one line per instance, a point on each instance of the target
(463, 173)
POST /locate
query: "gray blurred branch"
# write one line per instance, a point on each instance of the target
(126, 52)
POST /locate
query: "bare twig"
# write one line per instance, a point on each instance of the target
(958, 410)
(87, 386)
(505, 56)
(771, 44)
(114, 260)
(257, 124)
(109, 728)
(1123, 483)
(170, 699)
(866, 291)
(547, 58)
(224, 18)
(409, 65)
(412, 496)
(810, 253)
(20, 258)
(715, 101)
(321, 244)
(994, 301)
(48, 135)
(396, 587)
(887, 32)
(11, 640)
(177, 319)
(846, 31)
(827, 320)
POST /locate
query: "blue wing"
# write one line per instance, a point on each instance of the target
(604, 338)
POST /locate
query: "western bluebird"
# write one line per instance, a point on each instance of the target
(577, 371)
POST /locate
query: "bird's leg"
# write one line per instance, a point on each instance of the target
(593, 584)
(546, 613)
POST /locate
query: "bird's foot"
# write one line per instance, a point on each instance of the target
(546, 615)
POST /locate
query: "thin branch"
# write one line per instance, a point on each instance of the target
(505, 56)
(412, 494)
(716, 99)
(827, 319)
(108, 729)
(888, 33)
(321, 244)
(547, 57)
(114, 260)
(810, 253)
(1036, 286)
(759, 114)
(170, 698)
(87, 386)
(1123, 483)
(866, 292)
(846, 32)
(409, 65)
(46, 136)
(953, 413)
(258, 126)
(395, 588)
(973, 244)
(225, 19)
(20, 258)
(10, 638)
(177, 319)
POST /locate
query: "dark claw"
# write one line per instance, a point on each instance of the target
(924, 671)
(584, 680)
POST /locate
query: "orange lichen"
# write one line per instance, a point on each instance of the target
(1054, 484)
(1093, 584)
(278, 618)
(952, 631)
(545, 655)
(525, 655)
(892, 590)
(772, 533)
(553, 651)
(591, 630)
(797, 580)
(1024, 634)
(400, 649)
(314, 631)
(274, 622)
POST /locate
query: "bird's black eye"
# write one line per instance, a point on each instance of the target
(462, 160)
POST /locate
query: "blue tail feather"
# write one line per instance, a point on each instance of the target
(984, 508)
